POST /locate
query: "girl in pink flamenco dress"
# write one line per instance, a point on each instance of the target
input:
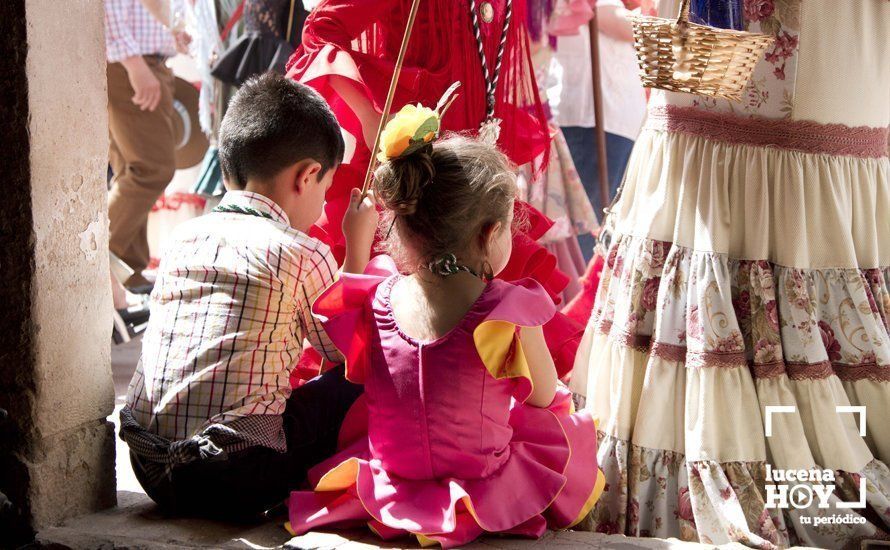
(468, 431)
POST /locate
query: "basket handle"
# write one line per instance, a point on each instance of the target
(683, 16)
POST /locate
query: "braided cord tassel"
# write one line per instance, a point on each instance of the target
(491, 78)
(246, 210)
(508, 16)
(477, 34)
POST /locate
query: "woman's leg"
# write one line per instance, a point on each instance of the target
(582, 144)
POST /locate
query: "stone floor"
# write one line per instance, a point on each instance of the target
(123, 364)
(136, 522)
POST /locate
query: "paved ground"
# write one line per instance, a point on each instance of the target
(123, 364)
(136, 524)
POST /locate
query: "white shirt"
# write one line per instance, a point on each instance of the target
(571, 92)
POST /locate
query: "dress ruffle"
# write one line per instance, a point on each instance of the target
(549, 475)
(580, 307)
(497, 336)
(548, 448)
(343, 309)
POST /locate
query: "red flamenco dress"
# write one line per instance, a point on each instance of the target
(348, 54)
(451, 451)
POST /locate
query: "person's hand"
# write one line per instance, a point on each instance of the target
(359, 227)
(360, 220)
(614, 21)
(183, 39)
(145, 84)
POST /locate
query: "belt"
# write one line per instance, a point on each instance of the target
(794, 135)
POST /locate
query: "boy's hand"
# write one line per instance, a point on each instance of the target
(360, 220)
(359, 228)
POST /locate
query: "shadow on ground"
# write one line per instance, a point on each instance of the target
(137, 524)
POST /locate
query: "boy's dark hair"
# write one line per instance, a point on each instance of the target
(272, 123)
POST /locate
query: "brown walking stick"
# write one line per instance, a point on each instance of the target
(593, 26)
(400, 60)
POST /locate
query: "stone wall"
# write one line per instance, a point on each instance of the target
(55, 374)
(16, 265)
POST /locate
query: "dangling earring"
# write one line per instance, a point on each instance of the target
(487, 272)
(391, 225)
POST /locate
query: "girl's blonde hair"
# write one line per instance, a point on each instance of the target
(442, 197)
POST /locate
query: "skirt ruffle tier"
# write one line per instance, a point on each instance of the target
(740, 277)
(548, 480)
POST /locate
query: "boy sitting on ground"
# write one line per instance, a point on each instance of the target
(212, 424)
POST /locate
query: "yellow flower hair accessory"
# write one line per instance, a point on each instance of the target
(413, 127)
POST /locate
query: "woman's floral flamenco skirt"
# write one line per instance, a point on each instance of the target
(738, 279)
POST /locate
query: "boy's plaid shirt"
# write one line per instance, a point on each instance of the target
(229, 312)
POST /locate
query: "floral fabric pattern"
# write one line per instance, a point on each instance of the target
(702, 311)
(810, 323)
(770, 91)
(557, 193)
(742, 274)
(554, 188)
(657, 493)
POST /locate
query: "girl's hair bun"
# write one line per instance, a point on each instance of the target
(441, 197)
(399, 183)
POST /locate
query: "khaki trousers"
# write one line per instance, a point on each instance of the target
(142, 159)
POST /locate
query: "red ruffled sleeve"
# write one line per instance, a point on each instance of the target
(344, 311)
(358, 40)
(529, 258)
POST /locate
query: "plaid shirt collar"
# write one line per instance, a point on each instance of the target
(261, 203)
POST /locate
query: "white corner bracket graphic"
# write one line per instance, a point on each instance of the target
(770, 410)
(855, 504)
(854, 409)
(861, 410)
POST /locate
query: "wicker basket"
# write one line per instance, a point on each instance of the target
(681, 56)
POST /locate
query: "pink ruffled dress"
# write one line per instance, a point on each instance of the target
(451, 450)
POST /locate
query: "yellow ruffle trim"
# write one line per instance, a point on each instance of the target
(340, 477)
(592, 499)
(344, 475)
(425, 542)
(501, 352)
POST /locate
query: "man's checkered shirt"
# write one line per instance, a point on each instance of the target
(131, 30)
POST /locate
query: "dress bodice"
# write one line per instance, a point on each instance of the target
(828, 63)
(434, 409)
